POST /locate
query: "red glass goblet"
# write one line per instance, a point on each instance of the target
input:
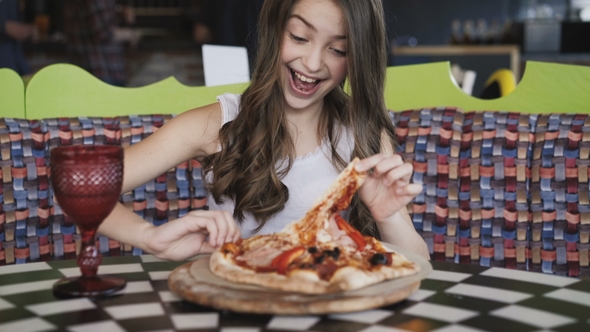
(87, 182)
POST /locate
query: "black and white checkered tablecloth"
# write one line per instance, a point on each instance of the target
(454, 297)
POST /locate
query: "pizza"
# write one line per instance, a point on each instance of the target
(320, 253)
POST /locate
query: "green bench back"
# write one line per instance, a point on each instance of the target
(64, 90)
(12, 94)
(544, 88)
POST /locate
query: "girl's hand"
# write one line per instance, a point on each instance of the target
(198, 232)
(388, 188)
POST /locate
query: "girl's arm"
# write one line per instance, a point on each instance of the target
(189, 135)
(386, 192)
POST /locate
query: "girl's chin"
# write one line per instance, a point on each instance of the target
(298, 104)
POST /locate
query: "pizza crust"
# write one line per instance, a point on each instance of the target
(307, 281)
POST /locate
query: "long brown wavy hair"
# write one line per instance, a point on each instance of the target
(258, 139)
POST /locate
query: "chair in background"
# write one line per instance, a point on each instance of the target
(464, 77)
(12, 94)
(225, 65)
(500, 84)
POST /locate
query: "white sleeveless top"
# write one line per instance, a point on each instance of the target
(307, 179)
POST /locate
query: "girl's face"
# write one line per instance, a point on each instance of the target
(313, 54)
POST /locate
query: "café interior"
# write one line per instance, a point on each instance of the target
(490, 101)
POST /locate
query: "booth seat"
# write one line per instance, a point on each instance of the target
(505, 181)
(501, 189)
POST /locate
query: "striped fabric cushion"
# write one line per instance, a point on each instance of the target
(25, 226)
(500, 189)
(560, 227)
(34, 228)
(495, 175)
(430, 139)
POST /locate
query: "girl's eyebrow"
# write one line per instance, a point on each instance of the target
(311, 27)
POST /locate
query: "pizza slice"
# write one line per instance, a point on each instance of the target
(320, 253)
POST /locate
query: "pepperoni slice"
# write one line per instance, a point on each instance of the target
(355, 235)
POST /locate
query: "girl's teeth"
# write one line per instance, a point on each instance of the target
(304, 79)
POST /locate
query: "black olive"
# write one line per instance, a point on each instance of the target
(378, 259)
(306, 266)
(336, 253)
(319, 260)
(312, 250)
(333, 253)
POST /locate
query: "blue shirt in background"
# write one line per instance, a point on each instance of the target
(11, 54)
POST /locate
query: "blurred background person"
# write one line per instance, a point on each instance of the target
(95, 37)
(230, 23)
(12, 34)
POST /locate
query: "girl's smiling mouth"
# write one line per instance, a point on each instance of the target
(302, 85)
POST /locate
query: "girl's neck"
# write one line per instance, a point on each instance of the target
(303, 126)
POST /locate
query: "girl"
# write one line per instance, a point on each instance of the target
(269, 153)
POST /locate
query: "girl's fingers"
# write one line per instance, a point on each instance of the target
(368, 163)
(233, 232)
(400, 174)
(206, 247)
(387, 164)
(205, 222)
(218, 225)
(412, 189)
(212, 230)
(219, 218)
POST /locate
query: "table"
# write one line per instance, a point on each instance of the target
(454, 297)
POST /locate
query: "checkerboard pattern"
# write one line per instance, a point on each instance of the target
(464, 298)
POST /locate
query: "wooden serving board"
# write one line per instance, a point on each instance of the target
(194, 282)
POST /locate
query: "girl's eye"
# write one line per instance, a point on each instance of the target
(339, 52)
(297, 39)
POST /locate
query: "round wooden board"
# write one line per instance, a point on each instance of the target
(194, 282)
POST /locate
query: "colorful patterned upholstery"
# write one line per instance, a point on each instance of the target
(431, 141)
(559, 203)
(24, 214)
(500, 189)
(493, 188)
(33, 228)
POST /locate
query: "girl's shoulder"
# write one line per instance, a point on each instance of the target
(230, 106)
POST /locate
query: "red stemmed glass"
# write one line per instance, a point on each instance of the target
(87, 182)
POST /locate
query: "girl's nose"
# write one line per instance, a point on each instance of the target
(314, 60)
